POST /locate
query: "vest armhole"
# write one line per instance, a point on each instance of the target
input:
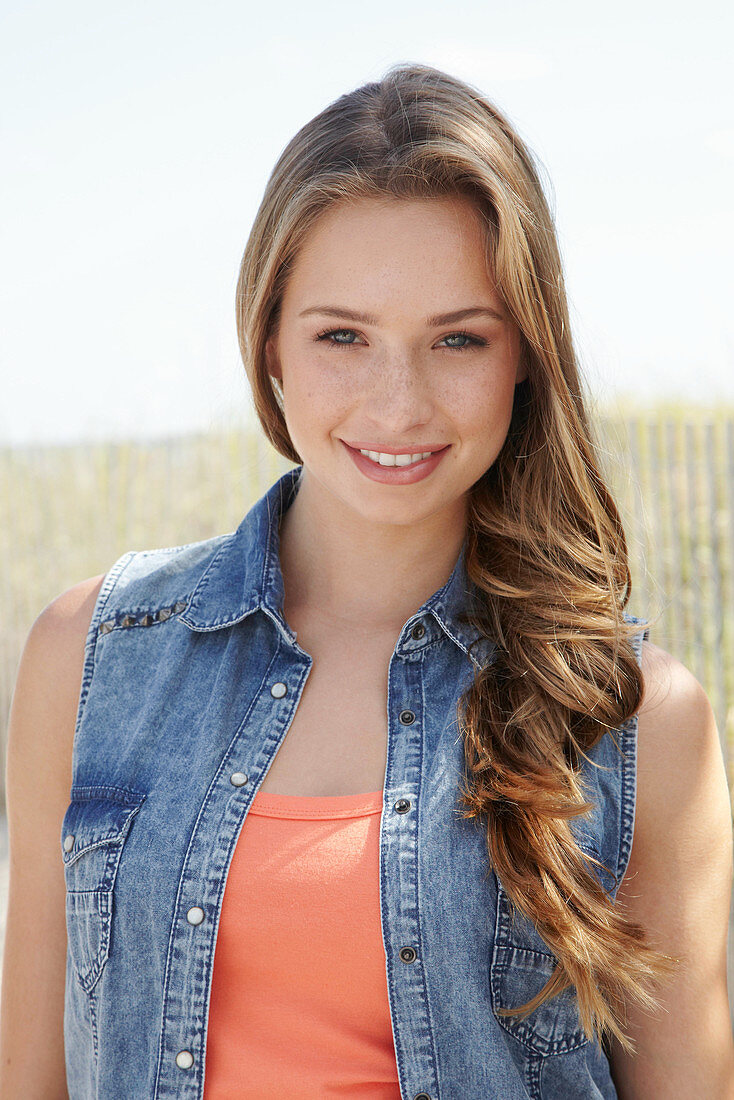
(90, 646)
(628, 786)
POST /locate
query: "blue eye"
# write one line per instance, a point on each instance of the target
(325, 337)
(473, 341)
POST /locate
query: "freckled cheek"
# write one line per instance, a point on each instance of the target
(318, 396)
(484, 402)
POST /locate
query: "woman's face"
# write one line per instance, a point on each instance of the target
(393, 340)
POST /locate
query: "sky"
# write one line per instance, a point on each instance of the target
(137, 140)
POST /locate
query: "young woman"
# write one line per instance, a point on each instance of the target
(343, 803)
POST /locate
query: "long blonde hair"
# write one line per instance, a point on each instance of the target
(545, 543)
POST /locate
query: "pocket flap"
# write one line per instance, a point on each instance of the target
(92, 820)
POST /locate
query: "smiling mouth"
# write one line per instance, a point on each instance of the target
(384, 459)
(392, 458)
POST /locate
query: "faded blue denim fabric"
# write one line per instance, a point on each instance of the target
(191, 678)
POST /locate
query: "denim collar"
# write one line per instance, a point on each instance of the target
(245, 575)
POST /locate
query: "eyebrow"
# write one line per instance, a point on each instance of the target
(432, 322)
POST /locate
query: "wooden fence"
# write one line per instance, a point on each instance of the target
(69, 512)
(672, 478)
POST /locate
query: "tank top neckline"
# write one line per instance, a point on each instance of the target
(307, 806)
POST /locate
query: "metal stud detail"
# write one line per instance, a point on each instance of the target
(278, 690)
(195, 915)
(105, 628)
(238, 779)
(408, 954)
(128, 620)
(184, 1059)
(68, 842)
(418, 631)
(402, 806)
(180, 605)
(407, 717)
(163, 614)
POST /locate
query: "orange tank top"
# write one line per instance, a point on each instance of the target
(299, 1004)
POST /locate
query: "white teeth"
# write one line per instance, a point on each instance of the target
(395, 460)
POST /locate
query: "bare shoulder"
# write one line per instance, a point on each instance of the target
(680, 763)
(682, 789)
(71, 611)
(63, 624)
(671, 693)
(677, 885)
(48, 684)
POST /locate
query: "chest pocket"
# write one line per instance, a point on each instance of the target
(521, 965)
(93, 832)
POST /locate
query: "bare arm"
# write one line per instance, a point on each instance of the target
(38, 781)
(678, 886)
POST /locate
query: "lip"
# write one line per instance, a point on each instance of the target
(396, 475)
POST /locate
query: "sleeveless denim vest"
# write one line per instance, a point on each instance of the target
(191, 678)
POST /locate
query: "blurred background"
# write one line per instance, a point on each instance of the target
(137, 142)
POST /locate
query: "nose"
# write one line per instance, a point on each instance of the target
(398, 395)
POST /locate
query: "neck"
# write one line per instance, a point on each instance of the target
(348, 569)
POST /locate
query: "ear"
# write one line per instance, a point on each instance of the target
(271, 358)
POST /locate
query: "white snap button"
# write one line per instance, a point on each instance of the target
(238, 779)
(68, 842)
(278, 690)
(195, 915)
(184, 1059)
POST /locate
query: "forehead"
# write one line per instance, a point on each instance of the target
(393, 243)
